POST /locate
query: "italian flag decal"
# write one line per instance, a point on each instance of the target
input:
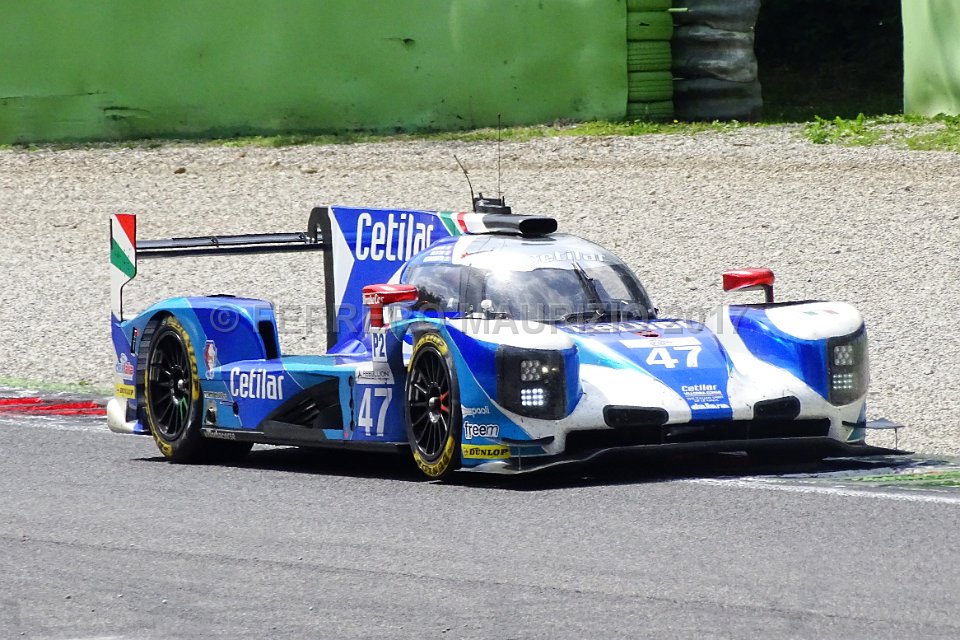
(123, 257)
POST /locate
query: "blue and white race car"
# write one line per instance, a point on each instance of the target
(481, 341)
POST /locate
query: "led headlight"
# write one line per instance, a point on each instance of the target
(531, 382)
(848, 367)
(531, 370)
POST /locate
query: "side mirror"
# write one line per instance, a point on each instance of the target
(749, 279)
(377, 296)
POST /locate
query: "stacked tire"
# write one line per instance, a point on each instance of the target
(649, 60)
(714, 61)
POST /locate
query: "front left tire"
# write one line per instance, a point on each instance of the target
(433, 414)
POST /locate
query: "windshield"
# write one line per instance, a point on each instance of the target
(574, 293)
(556, 281)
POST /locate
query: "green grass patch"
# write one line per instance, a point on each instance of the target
(940, 133)
(510, 134)
(924, 479)
(851, 133)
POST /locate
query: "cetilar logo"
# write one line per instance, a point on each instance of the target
(399, 237)
(256, 383)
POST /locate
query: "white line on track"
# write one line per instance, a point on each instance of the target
(775, 485)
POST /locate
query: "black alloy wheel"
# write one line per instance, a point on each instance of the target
(433, 408)
(170, 385)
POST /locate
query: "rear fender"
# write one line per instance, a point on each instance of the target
(222, 329)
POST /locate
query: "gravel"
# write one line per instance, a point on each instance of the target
(877, 227)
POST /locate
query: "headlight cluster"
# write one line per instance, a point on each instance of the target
(848, 367)
(531, 382)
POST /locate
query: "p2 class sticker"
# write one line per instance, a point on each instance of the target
(378, 344)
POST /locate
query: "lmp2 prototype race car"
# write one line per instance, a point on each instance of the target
(481, 341)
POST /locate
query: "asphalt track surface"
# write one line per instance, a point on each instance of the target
(100, 538)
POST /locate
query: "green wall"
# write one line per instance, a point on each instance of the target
(101, 69)
(931, 57)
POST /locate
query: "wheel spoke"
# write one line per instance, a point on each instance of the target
(166, 413)
(446, 428)
(431, 445)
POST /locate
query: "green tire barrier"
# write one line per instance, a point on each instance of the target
(661, 110)
(649, 25)
(649, 5)
(648, 56)
(649, 86)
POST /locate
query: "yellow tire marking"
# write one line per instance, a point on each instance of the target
(165, 447)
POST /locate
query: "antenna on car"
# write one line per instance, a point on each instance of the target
(480, 203)
(467, 176)
(499, 129)
(498, 204)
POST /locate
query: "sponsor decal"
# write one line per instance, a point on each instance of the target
(210, 358)
(675, 326)
(124, 367)
(468, 412)
(124, 391)
(709, 405)
(701, 390)
(217, 395)
(473, 430)
(704, 396)
(399, 237)
(374, 374)
(440, 254)
(485, 451)
(220, 434)
(650, 343)
(256, 383)
(569, 256)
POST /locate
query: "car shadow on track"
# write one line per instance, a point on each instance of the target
(612, 470)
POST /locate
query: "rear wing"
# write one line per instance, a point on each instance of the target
(126, 251)
(361, 247)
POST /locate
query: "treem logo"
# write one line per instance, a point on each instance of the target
(256, 383)
(400, 237)
(472, 430)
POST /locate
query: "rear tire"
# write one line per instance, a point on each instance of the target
(173, 402)
(434, 421)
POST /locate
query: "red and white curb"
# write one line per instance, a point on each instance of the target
(36, 405)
